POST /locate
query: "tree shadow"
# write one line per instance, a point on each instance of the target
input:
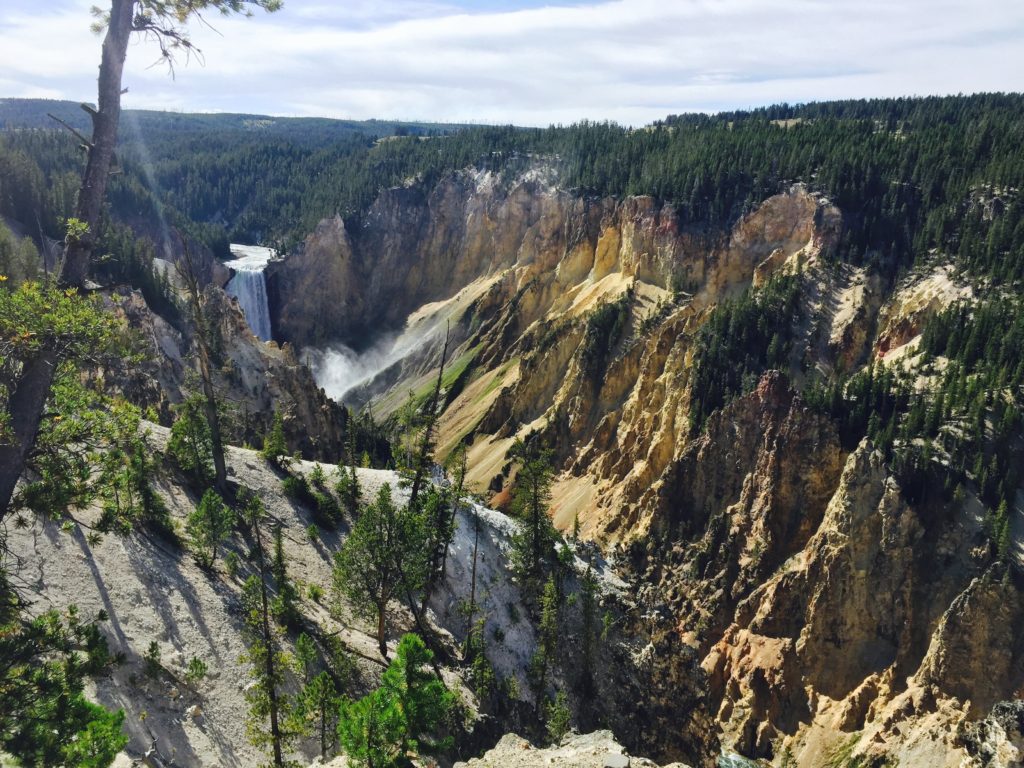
(101, 589)
(164, 569)
(115, 692)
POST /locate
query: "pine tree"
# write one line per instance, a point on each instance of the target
(318, 706)
(533, 544)
(208, 525)
(44, 716)
(128, 496)
(371, 730)
(275, 448)
(141, 470)
(305, 655)
(481, 673)
(348, 479)
(557, 718)
(547, 643)
(1001, 530)
(408, 421)
(445, 524)
(420, 693)
(399, 717)
(19, 259)
(285, 603)
(206, 335)
(315, 707)
(438, 514)
(383, 557)
(190, 446)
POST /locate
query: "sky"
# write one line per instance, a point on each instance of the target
(531, 62)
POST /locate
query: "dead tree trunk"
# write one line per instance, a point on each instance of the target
(424, 455)
(187, 270)
(28, 396)
(270, 669)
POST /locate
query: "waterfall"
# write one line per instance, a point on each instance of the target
(249, 285)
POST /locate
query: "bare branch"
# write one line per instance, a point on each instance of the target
(83, 139)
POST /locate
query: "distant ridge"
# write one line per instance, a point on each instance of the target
(34, 113)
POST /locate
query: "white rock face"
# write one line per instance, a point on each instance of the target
(154, 592)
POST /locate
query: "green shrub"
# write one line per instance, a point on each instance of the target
(557, 717)
(152, 660)
(196, 670)
(319, 501)
(297, 488)
(327, 507)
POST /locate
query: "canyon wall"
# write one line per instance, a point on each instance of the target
(794, 604)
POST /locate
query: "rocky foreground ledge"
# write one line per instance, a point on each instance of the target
(590, 750)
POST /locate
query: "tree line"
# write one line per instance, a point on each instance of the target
(908, 174)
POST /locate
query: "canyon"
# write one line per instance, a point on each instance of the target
(791, 594)
(774, 586)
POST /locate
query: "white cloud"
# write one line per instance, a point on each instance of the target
(627, 60)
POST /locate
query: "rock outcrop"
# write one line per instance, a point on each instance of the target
(254, 378)
(323, 273)
(903, 317)
(870, 624)
(590, 750)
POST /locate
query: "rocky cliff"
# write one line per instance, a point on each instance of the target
(791, 601)
(519, 266)
(253, 379)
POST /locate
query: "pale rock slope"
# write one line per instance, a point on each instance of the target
(152, 591)
(593, 750)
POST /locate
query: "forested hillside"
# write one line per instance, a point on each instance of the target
(911, 177)
(909, 174)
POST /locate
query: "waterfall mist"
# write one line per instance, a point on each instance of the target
(340, 369)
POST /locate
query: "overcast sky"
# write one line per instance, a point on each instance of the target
(530, 62)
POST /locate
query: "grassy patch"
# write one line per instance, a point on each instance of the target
(841, 755)
(494, 383)
(453, 373)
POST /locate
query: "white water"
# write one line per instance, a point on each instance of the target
(339, 369)
(249, 285)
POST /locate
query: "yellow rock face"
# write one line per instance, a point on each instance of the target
(827, 617)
